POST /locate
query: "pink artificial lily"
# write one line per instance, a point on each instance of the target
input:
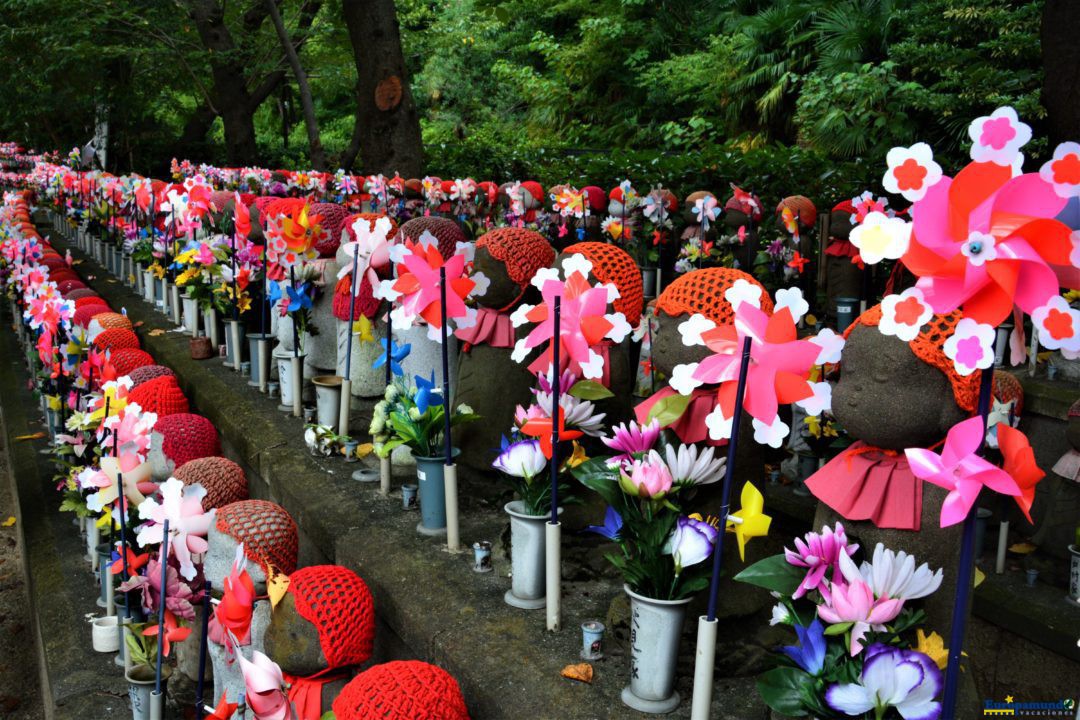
(855, 603)
(263, 684)
(960, 470)
(188, 525)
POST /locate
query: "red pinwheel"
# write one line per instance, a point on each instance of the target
(416, 290)
(541, 428)
(798, 262)
(1020, 464)
(134, 562)
(224, 709)
(174, 632)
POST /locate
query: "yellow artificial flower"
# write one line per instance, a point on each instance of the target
(933, 647)
(159, 272)
(190, 274)
(185, 257)
(749, 522)
(577, 457)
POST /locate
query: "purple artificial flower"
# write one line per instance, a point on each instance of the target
(612, 526)
(892, 677)
(776, 247)
(809, 654)
(818, 553)
(691, 542)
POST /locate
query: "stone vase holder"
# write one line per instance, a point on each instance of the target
(327, 399)
(654, 653)
(141, 681)
(528, 583)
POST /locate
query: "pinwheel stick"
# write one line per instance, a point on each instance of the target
(453, 541)
(553, 530)
(705, 655)
(200, 708)
(346, 382)
(161, 611)
(961, 601)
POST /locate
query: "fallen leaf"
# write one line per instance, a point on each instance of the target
(276, 587)
(155, 332)
(582, 672)
(9, 522)
(979, 577)
(362, 451)
(810, 319)
(33, 436)
(1023, 548)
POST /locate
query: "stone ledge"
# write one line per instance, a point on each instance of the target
(76, 682)
(439, 610)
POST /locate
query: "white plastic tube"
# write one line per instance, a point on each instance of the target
(344, 405)
(1003, 544)
(553, 566)
(453, 538)
(704, 662)
(297, 371)
(386, 472)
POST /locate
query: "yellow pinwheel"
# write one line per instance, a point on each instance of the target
(114, 397)
(362, 329)
(749, 521)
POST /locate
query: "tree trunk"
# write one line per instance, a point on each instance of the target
(315, 151)
(387, 130)
(1061, 69)
(230, 91)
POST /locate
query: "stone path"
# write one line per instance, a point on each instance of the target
(20, 687)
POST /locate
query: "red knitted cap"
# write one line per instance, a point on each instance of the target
(802, 207)
(64, 287)
(522, 251)
(116, 339)
(366, 302)
(844, 206)
(223, 480)
(337, 602)
(1008, 389)
(333, 219)
(147, 373)
(85, 313)
(83, 294)
(267, 531)
(446, 232)
(401, 690)
(702, 291)
(110, 319)
(161, 395)
(128, 359)
(612, 264)
(184, 436)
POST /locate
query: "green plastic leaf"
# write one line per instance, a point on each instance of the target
(781, 688)
(838, 628)
(773, 573)
(590, 390)
(668, 410)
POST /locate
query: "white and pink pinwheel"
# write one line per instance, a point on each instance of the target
(960, 470)
(584, 321)
(188, 524)
(371, 250)
(264, 687)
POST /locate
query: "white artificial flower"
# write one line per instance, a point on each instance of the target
(719, 426)
(682, 378)
(687, 465)
(903, 315)
(978, 248)
(692, 328)
(912, 171)
(820, 401)
(742, 290)
(998, 137)
(881, 237)
(620, 328)
(971, 346)
(792, 299)
(773, 434)
(892, 574)
(577, 263)
(780, 615)
(1058, 324)
(518, 316)
(831, 344)
(543, 275)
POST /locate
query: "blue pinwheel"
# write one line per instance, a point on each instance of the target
(426, 394)
(273, 292)
(299, 299)
(397, 354)
(612, 526)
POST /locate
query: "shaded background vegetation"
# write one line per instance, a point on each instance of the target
(785, 95)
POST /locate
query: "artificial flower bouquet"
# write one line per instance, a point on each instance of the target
(857, 652)
(646, 488)
(412, 414)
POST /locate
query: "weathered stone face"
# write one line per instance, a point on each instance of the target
(220, 557)
(293, 642)
(888, 397)
(502, 291)
(667, 346)
(840, 224)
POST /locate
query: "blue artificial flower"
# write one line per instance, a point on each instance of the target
(426, 394)
(612, 526)
(809, 654)
(299, 298)
(397, 354)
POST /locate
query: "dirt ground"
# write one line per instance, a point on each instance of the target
(20, 693)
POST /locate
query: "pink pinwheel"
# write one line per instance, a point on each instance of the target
(371, 249)
(416, 289)
(960, 470)
(188, 525)
(263, 683)
(778, 373)
(583, 325)
(706, 210)
(986, 240)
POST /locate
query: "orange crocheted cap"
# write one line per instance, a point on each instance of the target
(402, 690)
(161, 395)
(522, 251)
(223, 480)
(928, 346)
(128, 359)
(86, 312)
(802, 207)
(267, 531)
(702, 292)
(186, 437)
(116, 339)
(446, 232)
(110, 319)
(612, 264)
(338, 603)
